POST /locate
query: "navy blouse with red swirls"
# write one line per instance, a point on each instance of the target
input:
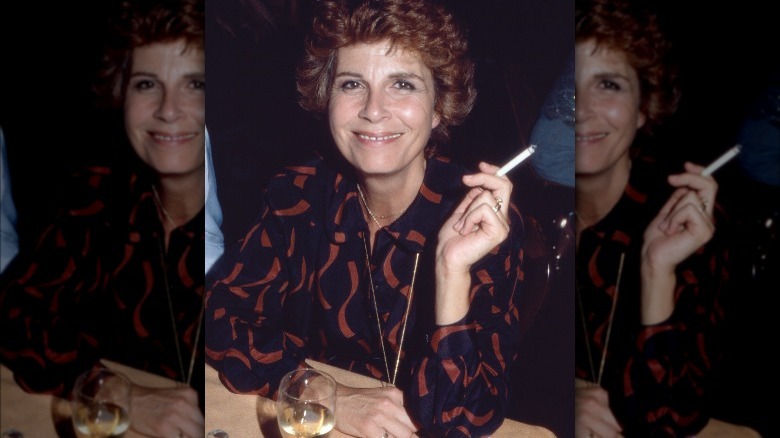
(298, 287)
(95, 287)
(657, 375)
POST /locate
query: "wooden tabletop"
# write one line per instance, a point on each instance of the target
(46, 416)
(253, 416)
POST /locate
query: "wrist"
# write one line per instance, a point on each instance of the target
(452, 295)
(657, 295)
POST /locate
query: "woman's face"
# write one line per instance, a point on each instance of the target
(607, 109)
(165, 106)
(381, 108)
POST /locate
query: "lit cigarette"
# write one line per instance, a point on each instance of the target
(516, 160)
(723, 159)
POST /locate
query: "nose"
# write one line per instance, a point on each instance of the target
(582, 106)
(374, 108)
(168, 108)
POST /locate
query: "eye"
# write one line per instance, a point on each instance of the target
(609, 85)
(349, 85)
(198, 84)
(143, 84)
(403, 84)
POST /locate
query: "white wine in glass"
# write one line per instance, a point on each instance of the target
(101, 404)
(306, 404)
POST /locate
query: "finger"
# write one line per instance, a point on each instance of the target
(455, 220)
(500, 185)
(692, 219)
(487, 179)
(488, 168)
(705, 186)
(399, 429)
(484, 218)
(188, 426)
(671, 203)
(491, 199)
(698, 202)
(474, 200)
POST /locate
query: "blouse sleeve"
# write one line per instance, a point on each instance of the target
(667, 376)
(461, 386)
(248, 341)
(45, 309)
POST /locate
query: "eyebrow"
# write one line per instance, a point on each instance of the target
(193, 75)
(611, 75)
(399, 75)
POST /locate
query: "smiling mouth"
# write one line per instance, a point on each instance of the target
(591, 137)
(182, 137)
(380, 138)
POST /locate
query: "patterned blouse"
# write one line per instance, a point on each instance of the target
(655, 375)
(298, 287)
(97, 286)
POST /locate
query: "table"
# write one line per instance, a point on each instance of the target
(46, 416)
(253, 416)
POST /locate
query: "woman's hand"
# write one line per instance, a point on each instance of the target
(373, 412)
(478, 224)
(685, 222)
(166, 412)
(593, 418)
(683, 225)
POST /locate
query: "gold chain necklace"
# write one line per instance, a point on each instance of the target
(173, 319)
(158, 201)
(371, 213)
(598, 376)
(391, 378)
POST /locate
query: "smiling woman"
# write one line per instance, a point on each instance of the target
(119, 274)
(381, 255)
(165, 108)
(650, 267)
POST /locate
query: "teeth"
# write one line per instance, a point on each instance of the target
(386, 137)
(173, 137)
(590, 137)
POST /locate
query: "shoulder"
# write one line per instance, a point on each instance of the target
(105, 192)
(300, 186)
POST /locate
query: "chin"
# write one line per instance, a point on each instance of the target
(177, 170)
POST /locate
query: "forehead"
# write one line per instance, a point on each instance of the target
(599, 59)
(379, 54)
(166, 55)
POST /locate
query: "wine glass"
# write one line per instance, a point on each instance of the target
(306, 404)
(101, 403)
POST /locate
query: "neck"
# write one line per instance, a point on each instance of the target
(182, 197)
(389, 196)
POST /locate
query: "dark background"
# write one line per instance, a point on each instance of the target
(728, 53)
(48, 57)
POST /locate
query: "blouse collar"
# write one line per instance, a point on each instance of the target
(440, 190)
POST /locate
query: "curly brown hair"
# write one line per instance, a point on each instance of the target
(139, 23)
(423, 27)
(630, 27)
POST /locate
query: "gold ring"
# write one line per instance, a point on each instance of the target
(385, 435)
(497, 207)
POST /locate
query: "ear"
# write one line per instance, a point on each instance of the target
(640, 119)
(436, 120)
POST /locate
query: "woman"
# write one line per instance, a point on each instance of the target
(119, 275)
(648, 275)
(384, 249)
